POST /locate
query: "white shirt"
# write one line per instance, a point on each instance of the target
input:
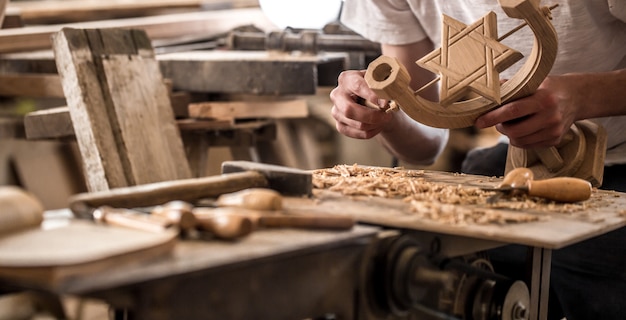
(591, 37)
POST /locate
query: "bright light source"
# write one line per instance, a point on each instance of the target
(301, 14)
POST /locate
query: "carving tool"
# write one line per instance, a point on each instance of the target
(222, 224)
(236, 176)
(560, 189)
(131, 219)
(252, 198)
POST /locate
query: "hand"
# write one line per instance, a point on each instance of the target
(540, 120)
(353, 119)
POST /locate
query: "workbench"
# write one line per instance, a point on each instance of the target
(298, 274)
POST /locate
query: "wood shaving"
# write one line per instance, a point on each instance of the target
(436, 201)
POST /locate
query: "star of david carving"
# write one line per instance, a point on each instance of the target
(470, 60)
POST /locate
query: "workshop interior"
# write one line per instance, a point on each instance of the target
(177, 159)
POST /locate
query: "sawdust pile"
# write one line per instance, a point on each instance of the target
(442, 202)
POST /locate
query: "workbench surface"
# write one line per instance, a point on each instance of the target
(554, 229)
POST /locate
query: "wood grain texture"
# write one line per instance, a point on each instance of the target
(164, 26)
(581, 154)
(249, 110)
(48, 12)
(553, 230)
(119, 107)
(391, 81)
(27, 258)
(31, 85)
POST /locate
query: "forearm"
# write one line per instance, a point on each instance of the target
(405, 138)
(411, 141)
(598, 94)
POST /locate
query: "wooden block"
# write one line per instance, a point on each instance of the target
(31, 85)
(49, 170)
(27, 258)
(119, 107)
(580, 155)
(254, 72)
(249, 110)
(49, 123)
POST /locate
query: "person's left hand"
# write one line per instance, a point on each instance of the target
(539, 120)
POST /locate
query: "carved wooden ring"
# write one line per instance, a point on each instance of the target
(390, 80)
(563, 160)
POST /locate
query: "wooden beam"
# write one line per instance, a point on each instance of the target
(255, 72)
(67, 11)
(295, 108)
(31, 85)
(53, 123)
(164, 26)
(119, 107)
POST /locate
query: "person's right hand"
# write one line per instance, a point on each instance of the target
(353, 119)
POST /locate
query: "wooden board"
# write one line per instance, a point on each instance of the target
(295, 108)
(119, 107)
(31, 85)
(54, 258)
(165, 26)
(254, 72)
(554, 230)
(47, 12)
(192, 256)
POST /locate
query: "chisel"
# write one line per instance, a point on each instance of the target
(559, 189)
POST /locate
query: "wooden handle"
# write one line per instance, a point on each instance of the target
(223, 225)
(252, 198)
(561, 189)
(518, 178)
(131, 219)
(177, 212)
(19, 209)
(161, 192)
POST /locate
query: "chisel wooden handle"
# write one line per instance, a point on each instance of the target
(223, 225)
(252, 198)
(131, 219)
(561, 189)
(161, 192)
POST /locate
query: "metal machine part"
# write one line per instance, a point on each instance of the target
(406, 279)
(306, 41)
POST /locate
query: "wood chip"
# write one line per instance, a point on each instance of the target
(436, 201)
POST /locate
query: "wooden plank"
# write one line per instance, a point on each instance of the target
(164, 26)
(3, 6)
(119, 108)
(295, 108)
(31, 85)
(48, 170)
(553, 230)
(48, 12)
(254, 72)
(27, 258)
(53, 123)
(202, 71)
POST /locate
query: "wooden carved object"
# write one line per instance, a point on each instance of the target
(390, 80)
(469, 62)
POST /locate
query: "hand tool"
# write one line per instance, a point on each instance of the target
(252, 198)
(223, 224)
(177, 212)
(281, 218)
(19, 209)
(131, 219)
(236, 175)
(561, 189)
